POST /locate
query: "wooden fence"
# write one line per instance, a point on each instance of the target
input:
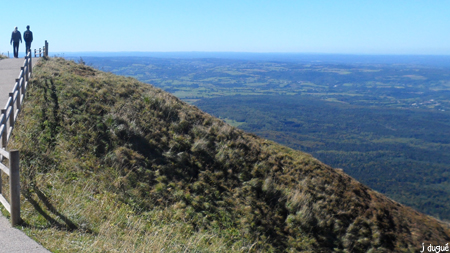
(42, 51)
(7, 120)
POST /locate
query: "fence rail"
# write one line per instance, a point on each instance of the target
(42, 51)
(7, 120)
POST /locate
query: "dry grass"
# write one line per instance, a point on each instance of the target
(104, 225)
(114, 165)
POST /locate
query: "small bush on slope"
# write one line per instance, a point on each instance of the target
(111, 164)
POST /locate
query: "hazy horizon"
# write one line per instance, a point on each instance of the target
(426, 60)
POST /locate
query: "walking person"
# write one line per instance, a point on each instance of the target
(16, 37)
(28, 37)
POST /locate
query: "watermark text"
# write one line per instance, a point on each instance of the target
(432, 248)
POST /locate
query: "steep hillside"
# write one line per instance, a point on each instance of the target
(113, 165)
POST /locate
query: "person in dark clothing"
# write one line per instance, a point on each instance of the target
(16, 37)
(28, 37)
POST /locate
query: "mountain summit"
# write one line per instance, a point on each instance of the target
(112, 164)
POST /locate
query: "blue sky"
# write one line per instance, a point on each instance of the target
(300, 26)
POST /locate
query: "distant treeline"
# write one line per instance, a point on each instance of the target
(424, 60)
(394, 85)
(402, 153)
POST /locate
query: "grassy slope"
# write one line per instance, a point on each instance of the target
(111, 164)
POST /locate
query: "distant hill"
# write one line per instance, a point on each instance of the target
(421, 60)
(110, 164)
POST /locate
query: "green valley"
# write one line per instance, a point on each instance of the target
(402, 153)
(386, 124)
(110, 164)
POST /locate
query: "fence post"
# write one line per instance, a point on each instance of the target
(21, 87)
(30, 65)
(11, 114)
(1, 182)
(14, 184)
(25, 70)
(5, 131)
(19, 95)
